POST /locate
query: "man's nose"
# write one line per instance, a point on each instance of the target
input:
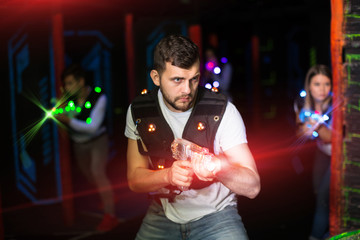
(186, 87)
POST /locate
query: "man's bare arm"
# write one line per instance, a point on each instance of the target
(239, 173)
(236, 169)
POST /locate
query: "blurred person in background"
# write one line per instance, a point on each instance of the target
(313, 116)
(87, 130)
(217, 72)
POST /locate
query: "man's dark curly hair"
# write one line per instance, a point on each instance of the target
(178, 50)
(74, 69)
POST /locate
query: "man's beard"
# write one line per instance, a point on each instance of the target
(181, 107)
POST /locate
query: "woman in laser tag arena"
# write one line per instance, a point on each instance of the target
(190, 201)
(88, 133)
(313, 116)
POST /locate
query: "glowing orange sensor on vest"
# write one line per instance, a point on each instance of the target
(152, 127)
(214, 89)
(201, 126)
(160, 166)
(144, 91)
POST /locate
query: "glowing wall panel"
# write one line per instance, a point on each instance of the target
(34, 139)
(345, 182)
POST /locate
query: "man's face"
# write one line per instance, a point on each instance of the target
(71, 85)
(178, 86)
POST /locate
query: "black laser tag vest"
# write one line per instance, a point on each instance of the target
(92, 99)
(157, 135)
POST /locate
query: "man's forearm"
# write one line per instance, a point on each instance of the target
(146, 180)
(241, 180)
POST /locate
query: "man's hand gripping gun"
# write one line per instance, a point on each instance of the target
(185, 150)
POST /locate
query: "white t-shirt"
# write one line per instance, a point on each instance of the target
(193, 204)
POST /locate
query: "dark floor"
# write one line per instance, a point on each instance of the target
(283, 209)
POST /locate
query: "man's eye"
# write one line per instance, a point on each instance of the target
(177, 79)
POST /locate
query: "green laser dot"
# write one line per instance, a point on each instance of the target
(87, 104)
(78, 109)
(67, 108)
(88, 120)
(71, 104)
(97, 89)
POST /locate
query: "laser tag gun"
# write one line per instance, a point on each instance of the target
(185, 150)
(307, 115)
(71, 110)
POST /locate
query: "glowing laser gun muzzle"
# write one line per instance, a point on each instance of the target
(186, 150)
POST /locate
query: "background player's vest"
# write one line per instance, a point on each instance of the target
(89, 105)
(157, 135)
(92, 99)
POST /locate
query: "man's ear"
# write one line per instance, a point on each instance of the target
(155, 77)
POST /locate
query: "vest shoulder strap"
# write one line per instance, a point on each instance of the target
(152, 127)
(205, 118)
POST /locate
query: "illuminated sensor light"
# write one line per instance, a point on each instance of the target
(71, 104)
(302, 93)
(152, 127)
(78, 109)
(217, 70)
(216, 84)
(144, 91)
(224, 60)
(88, 120)
(307, 113)
(67, 108)
(315, 134)
(315, 116)
(97, 89)
(87, 104)
(214, 89)
(208, 86)
(210, 66)
(325, 117)
(201, 126)
(160, 166)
